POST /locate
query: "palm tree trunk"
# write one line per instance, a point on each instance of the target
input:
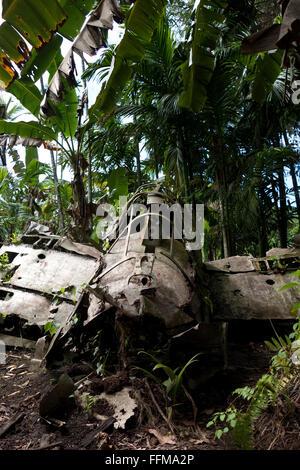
(294, 180)
(55, 179)
(3, 154)
(58, 197)
(263, 238)
(138, 162)
(283, 209)
(275, 197)
(296, 190)
(89, 180)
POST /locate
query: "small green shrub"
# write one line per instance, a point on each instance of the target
(172, 384)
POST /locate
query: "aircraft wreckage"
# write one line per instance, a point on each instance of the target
(152, 287)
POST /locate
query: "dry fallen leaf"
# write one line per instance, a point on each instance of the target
(162, 439)
(14, 393)
(24, 384)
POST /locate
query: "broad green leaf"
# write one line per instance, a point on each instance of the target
(295, 308)
(7, 71)
(31, 129)
(31, 154)
(118, 182)
(65, 119)
(33, 171)
(289, 285)
(76, 11)
(35, 20)
(198, 70)
(143, 20)
(41, 60)
(54, 64)
(3, 179)
(268, 69)
(108, 97)
(28, 95)
(13, 44)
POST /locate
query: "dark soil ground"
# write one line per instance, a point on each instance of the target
(21, 390)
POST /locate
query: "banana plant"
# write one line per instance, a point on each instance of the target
(198, 70)
(279, 44)
(142, 21)
(42, 25)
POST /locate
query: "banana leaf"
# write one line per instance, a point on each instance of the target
(28, 95)
(13, 44)
(31, 154)
(36, 20)
(143, 20)
(198, 70)
(268, 69)
(7, 71)
(41, 60)
(29, 130)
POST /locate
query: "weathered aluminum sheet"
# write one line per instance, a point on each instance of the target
(35, 309)
(252, 295)
(49, 271)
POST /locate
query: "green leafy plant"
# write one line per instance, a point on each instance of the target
(15, 239)
(172, 384)
(4, 261)
(100, 357)
(90, 401)
(296, 307)
(51, 328)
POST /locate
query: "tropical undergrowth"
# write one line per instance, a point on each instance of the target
(238, 425)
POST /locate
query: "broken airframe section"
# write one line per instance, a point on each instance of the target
(154, 288)
(245, 288)
(42, 278)
(52, 279)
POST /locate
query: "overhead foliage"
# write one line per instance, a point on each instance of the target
(268, 69)
(141, 23)
(198, 69)
(30, 130)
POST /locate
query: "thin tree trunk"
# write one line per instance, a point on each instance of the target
(138, 162)
(275, 197)
(294, 180)
(226, 248)
(222, 191)
(90, 181)
(282, 198)
(55, 179)
(283, 209)
(3, 154)
(156, 165)
(58, 197)
(296, 190)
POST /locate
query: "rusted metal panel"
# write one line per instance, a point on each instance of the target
(277, 263)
